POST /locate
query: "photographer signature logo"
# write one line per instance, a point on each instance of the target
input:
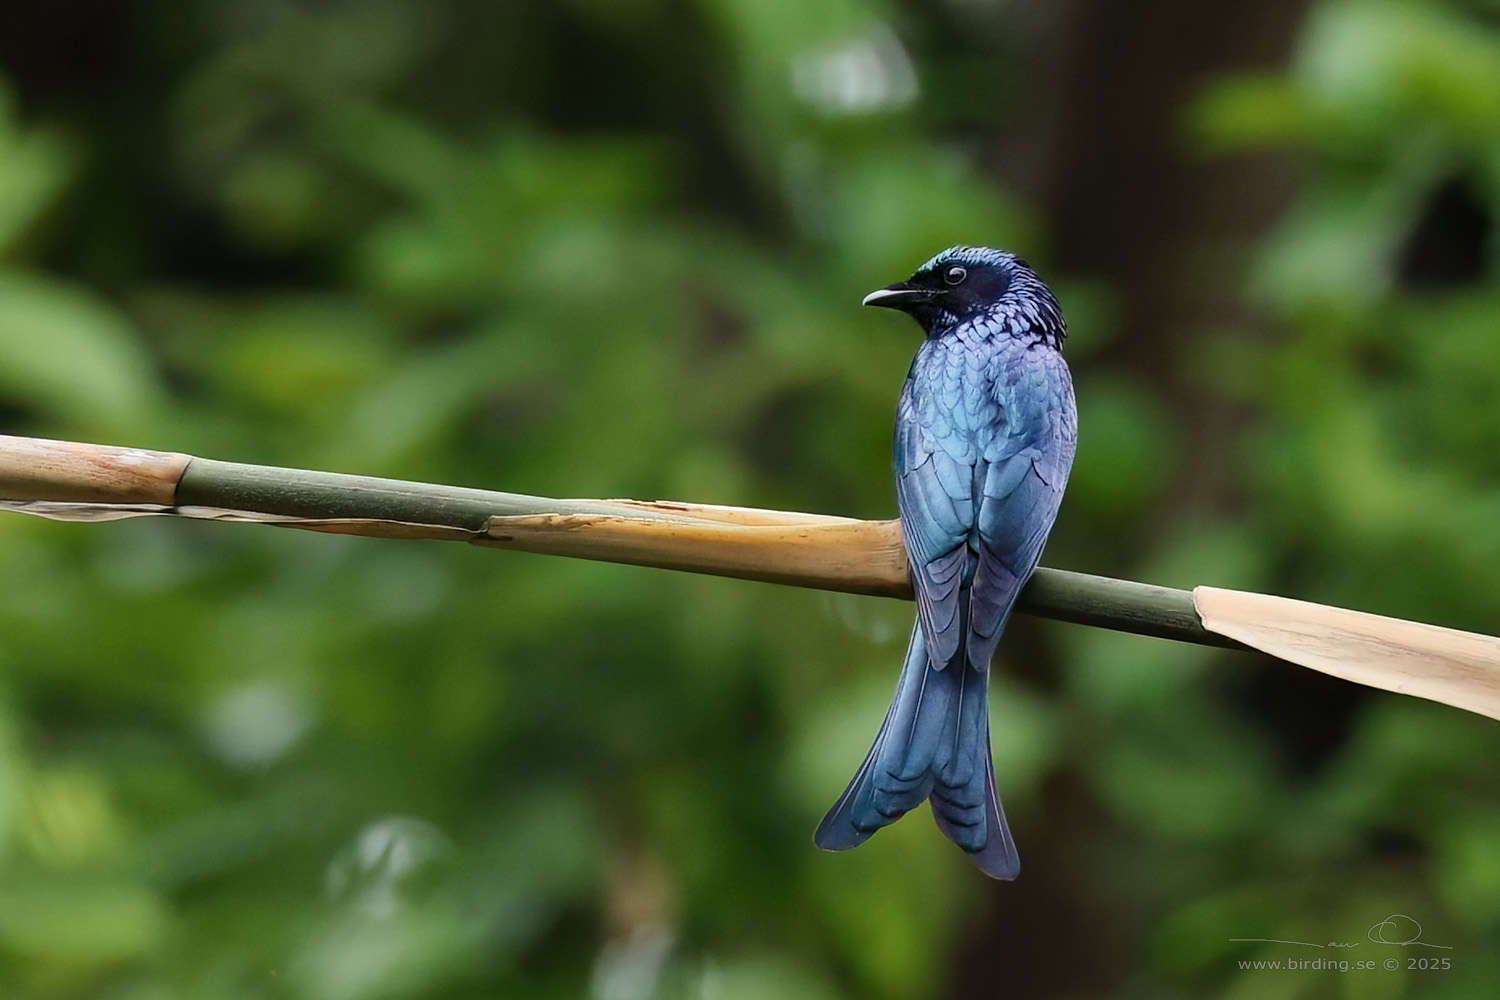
(1397, 929)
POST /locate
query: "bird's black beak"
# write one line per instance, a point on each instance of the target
(902, 295)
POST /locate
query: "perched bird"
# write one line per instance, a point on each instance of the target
(985, 433)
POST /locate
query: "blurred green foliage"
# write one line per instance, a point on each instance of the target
(403, 239)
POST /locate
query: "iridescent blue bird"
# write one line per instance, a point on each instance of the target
(985, 433)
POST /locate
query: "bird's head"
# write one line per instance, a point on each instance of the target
(967, 284)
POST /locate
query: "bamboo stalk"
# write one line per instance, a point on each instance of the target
(89, 482)
(808, 550)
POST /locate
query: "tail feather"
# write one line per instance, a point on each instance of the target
(961, 818)
(934, 742)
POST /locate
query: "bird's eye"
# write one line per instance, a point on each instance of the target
(955, 275)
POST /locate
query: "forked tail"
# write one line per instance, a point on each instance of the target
(935, 742)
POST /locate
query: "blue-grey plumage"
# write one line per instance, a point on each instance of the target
(985, 433)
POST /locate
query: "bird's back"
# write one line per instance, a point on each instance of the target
(985, 436)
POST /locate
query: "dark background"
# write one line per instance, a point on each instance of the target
(615, 249)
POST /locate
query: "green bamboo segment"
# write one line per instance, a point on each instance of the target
(1121, 605)
(329, 495)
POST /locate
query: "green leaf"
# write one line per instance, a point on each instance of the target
(71, 356)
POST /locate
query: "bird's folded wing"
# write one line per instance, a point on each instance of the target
(934, 490)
